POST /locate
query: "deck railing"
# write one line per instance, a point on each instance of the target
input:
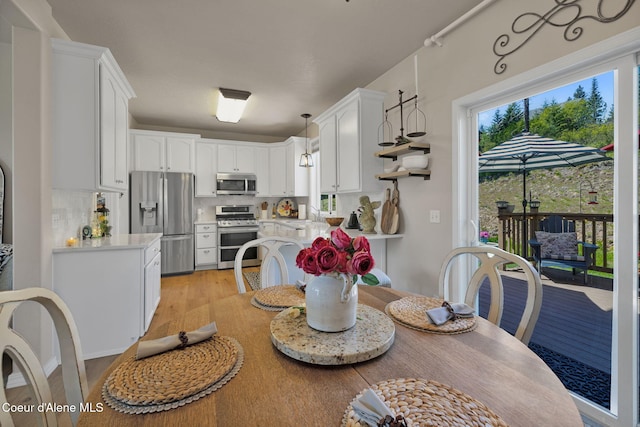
(591, 228)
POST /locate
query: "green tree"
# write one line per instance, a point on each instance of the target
(597, 106)
(579, 93)
(551, 121)
(503, 127)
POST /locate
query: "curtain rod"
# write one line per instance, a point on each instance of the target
(437, 38)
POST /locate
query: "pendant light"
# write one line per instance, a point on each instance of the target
(306, 161)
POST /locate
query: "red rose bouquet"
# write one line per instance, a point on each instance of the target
(339, 254)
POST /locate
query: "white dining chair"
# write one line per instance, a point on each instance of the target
(23, 356)
(271, 256)
(490, 259)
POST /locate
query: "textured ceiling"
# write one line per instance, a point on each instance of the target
(294, 56)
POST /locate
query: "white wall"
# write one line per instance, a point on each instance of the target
(32, 24)
(6, 145)
(464, 64)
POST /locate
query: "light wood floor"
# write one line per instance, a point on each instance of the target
(178, 292)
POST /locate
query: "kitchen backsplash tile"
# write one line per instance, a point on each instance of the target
(71, 210)
(208, 204)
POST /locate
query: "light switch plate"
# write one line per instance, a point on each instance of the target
(434, 216)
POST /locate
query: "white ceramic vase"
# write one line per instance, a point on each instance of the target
(331, 302)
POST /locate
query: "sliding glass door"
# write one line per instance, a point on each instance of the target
(573, 334)
(588, 327)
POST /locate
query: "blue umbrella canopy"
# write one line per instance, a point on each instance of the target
(528, 151)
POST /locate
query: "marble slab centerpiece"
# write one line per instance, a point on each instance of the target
(372, 336)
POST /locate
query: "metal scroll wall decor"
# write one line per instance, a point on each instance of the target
(569, 14)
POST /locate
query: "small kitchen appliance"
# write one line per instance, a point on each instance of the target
(353, 223)
(236, 184)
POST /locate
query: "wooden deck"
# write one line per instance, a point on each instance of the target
(574, 324)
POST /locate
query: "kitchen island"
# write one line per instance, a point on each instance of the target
(307, 232)
(112, 287)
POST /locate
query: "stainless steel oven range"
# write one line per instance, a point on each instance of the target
(236, 226)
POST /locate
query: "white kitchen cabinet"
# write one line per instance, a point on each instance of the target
(206, 245)
(286, 177)
(152, 280)
(163, 151)
(90, 118)
(262, 156)
(348, 140)
(206, 168)
(236, 158)
(297, 177)
(278, 171)
(112, 289)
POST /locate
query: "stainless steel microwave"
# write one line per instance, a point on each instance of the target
(236, 183)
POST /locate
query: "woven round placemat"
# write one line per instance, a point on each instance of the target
(174, 378)
(412, 312)
(428, 403)
(281, 296)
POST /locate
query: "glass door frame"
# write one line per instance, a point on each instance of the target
(618, 54)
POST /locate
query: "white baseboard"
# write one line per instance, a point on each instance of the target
(16, 379)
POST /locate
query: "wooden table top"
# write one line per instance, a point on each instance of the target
(487, 363)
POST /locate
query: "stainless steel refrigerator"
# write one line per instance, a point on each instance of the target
(162, 202)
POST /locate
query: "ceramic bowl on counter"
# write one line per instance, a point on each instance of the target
(416, 161)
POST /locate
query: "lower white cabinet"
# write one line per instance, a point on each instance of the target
(111, 290)
(206, 246)
(152, 273)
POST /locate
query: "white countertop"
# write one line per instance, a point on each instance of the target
(119, 241)
(310, 231)
(206, 220)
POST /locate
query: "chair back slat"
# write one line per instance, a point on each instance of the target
(21, 353)
(557, 224)
(271, 256)
(490, 260)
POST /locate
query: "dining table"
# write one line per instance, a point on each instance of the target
(274, 389)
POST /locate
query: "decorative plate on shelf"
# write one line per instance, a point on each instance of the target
(285, 207)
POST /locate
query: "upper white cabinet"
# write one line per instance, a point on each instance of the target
(286, 178)
(90, 118)
(348, 140)
(278, 169)
(262, 155)
(236, 158)
(163, 151)
(206, 167)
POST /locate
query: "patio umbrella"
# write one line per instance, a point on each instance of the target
(528, 151)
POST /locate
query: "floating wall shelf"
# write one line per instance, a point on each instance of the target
(393, 176)
(399, 150)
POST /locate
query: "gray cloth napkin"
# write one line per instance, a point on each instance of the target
(160, 345)
(370, 408)
(441, 315)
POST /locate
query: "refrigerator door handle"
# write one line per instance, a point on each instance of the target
(165, 203)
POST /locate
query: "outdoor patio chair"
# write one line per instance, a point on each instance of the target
(556, 243)
(490, 260)
(24, 357)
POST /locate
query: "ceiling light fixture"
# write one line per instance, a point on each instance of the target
(306, 161)
(231, 103)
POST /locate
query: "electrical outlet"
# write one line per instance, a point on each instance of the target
(434, 216)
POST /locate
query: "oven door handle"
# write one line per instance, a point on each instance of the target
(237, 230)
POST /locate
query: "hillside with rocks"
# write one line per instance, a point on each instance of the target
(558, 191)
